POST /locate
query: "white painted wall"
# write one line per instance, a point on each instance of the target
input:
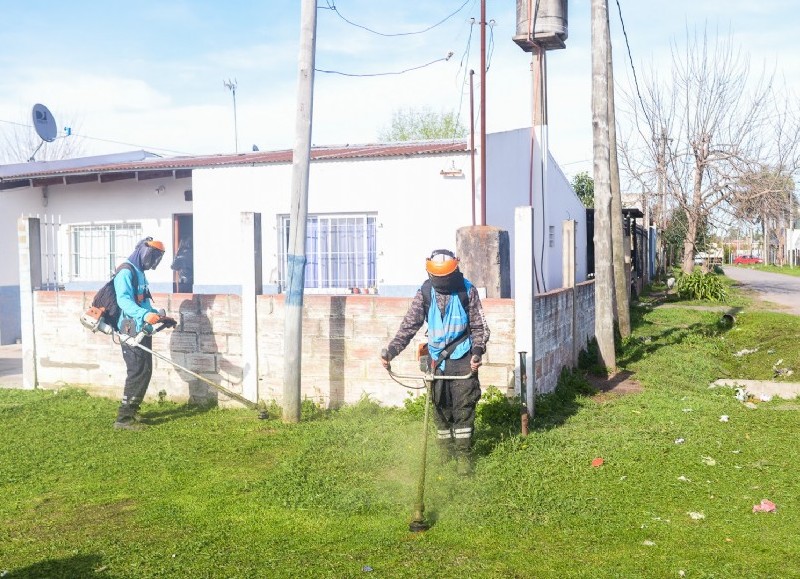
(417, 210)
(118, 201)
(510, 182)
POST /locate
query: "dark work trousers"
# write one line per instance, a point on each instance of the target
(140, 368)
(454, 404)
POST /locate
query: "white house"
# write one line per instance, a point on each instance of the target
(374, 213)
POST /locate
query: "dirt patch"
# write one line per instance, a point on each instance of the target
(614, 386)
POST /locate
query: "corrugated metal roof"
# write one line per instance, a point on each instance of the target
(45, 170)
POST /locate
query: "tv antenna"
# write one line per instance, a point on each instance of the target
(45, 126)
(231, 85)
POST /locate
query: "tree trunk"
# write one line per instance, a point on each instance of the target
(688, 243)
(604, 274)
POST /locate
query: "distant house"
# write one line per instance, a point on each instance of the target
(374, 213)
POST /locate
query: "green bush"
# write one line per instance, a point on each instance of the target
(701, 286)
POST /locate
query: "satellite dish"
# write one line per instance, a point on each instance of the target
(44, 123)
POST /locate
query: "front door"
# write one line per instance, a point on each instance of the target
(183, 260)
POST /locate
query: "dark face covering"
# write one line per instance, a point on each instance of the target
(448, 284)
(145, 257)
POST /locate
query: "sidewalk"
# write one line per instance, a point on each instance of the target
(11, 366)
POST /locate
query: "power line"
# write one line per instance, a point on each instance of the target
(490, 49)
(633, 68)
(445, 59)
(332, 6)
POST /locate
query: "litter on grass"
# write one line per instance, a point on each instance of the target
(597, 462)
(765, 506)
(707, 460)
(648, 543)
(724, 418)
(679, 441)
(745, 351)
(696, 516)
(684, 479)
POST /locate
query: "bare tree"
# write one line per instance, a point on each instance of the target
(706, 128)
(19, 142)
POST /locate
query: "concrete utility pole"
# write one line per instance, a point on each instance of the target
(621, 253)
(604, 274)
(296, 251)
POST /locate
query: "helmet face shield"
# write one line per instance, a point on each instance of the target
(151, 255)
(441, 262)
(151, 258)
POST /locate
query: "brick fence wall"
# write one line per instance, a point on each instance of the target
(342, 338)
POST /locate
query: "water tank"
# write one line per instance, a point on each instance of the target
(550, 24)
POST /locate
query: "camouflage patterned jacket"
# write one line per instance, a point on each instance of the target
(416, 316)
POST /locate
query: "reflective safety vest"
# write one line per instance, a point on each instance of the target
(444, 330)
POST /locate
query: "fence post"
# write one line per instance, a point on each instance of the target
(252, 286)
(524, 298)
(30, 279)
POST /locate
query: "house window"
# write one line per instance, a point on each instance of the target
(340, 251)
(552, 236)
(97, 249)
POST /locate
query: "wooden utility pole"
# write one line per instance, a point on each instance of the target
(296, 251)
(621, 253)
(483, 112)
(604, 274)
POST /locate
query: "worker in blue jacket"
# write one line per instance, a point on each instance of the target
(137, 315)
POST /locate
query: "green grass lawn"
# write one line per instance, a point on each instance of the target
(219, 493)
(785, 269)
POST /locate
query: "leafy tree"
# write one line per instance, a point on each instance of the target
(583, 185)
(422, 125)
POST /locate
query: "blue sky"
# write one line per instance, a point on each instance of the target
(150, 74)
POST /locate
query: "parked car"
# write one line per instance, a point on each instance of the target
(747, 260)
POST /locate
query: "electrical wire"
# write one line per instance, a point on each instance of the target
(464, 81)
(445, 59)
(490, 48)
(633, 68)
(149, 148)
(332, 6)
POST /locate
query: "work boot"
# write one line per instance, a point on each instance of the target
(128, 423)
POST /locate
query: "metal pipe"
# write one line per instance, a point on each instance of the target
(214, 385)
(523, 384)
(483, 112)
(472, 136)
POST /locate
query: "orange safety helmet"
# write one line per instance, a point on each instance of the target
(441, 262)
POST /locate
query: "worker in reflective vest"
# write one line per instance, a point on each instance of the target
(457, 331)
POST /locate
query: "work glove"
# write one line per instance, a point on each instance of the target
(167, 321)
(385, 358)
(151, 318)
(475, 361)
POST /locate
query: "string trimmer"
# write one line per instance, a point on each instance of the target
(418, 522)
(96, 324)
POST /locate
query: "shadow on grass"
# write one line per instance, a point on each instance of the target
(634, 348)
(500, 418)
(68, 568)
(160, 415)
